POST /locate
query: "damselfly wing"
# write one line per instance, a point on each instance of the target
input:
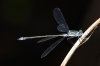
(62, 27)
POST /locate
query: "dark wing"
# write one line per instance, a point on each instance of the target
(50, 48)
(60, 20)
(61, 28)
(45, 39)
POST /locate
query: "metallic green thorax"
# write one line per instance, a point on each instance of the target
(73, 32)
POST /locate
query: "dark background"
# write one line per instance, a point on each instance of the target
(35, 17)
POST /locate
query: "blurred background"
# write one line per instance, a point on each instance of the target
(35, 17)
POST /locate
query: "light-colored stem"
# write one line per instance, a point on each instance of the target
(76, 45)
